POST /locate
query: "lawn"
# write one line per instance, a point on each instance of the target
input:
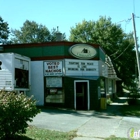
(130, 110)
(34, 133)
(116, 138)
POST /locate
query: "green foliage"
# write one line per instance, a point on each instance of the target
(108, 101)
(32, 32)
(44, 134)
(134, 95)
(4, 31)
(15, 111)
(117, 44)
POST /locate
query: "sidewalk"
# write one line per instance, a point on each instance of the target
(100, 128)
(109, 122)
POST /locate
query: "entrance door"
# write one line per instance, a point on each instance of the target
(81, 95)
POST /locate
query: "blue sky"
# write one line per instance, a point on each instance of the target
(66, 13)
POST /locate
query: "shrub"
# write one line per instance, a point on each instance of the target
(108, 101)
(15, 112)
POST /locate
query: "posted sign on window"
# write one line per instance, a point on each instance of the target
(53, 68)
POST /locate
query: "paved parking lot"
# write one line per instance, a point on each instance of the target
(88, 124)
(61, 120)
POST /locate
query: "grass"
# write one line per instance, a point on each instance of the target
(116, 138)
(130, 110)
(34, 133)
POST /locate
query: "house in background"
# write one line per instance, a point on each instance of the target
(67, 74)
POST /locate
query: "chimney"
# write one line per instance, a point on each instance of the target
(58, 35)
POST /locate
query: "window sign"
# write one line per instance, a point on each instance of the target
(53, 68)
(53, 81)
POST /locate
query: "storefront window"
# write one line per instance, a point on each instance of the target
(54, 90)
(21, 78)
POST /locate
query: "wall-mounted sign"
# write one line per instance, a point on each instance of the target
(53, 68)
(81, 67)
(82, 51)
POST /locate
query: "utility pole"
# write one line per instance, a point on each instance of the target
(137, 51)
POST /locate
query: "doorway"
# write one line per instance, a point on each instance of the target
(81, 95)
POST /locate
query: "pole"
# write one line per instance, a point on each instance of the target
(137, 51)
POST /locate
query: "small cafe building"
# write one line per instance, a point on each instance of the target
(67, 74)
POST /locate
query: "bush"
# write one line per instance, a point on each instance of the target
(15, 112)
(108, 101)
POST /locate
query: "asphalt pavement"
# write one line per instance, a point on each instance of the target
(90, 125)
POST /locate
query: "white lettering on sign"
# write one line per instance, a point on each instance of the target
(81, 67)
(53, 68)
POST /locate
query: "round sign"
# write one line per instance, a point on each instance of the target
(82, 51)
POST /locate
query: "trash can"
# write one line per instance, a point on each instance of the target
(103, 101)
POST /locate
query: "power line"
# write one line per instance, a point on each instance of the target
(114, 53)
(122, 52)
(127, 21)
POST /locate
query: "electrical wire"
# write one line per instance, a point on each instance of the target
(122, 52)
(126, 23)
(114, 53)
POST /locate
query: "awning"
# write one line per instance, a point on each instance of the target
(114, 78)
(85, 77)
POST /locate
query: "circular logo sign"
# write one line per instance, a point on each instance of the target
(82, 51)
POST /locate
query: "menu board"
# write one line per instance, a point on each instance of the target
(53, 81)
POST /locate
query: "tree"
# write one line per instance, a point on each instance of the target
(117, 44)
(31, 32)
(4, 31)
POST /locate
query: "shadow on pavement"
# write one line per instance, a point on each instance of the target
(116, 108)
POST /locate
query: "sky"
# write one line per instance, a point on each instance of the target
(66, 13)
